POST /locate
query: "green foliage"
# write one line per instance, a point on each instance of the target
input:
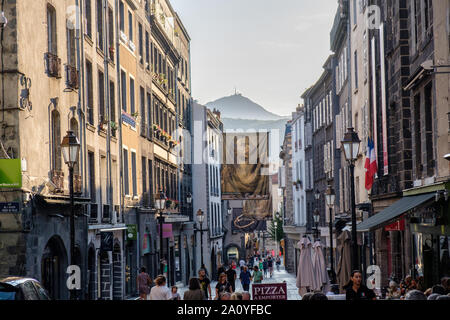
(278, 231)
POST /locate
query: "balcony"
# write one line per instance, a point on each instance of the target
(71, 77)
(57, 178)
(77, 184)
(53, 65)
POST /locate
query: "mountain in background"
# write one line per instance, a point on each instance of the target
(239, 107)
(239, 112)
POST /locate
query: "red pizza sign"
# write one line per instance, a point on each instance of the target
(269, 291)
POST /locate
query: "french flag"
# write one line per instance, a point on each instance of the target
(370, 165)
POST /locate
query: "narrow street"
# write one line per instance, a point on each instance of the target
(278, 277)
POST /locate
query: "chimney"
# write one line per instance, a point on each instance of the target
(217, 113)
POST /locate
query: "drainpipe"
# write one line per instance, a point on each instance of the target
(106, 94)
(119, 114)
(82, 118)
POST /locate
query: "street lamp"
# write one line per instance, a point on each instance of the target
(350, 146)
(3, 20)
(70, 147)
(201, 218)
(189, 201)
(316, 221)
(160, 204)
(330, 198)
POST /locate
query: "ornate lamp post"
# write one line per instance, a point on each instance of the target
(350, 146)
(201, 218)
(330, 198)
(317, 221)
(160, 204)
(189, 202)
(71, 150)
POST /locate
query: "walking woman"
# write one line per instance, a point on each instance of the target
(223, 285)
(160, 291)
(143, 283)
(195, 292)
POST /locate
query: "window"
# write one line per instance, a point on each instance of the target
(356, 69)
(141, 44)
(123, 83)
(147, 49)
(110, 33)
(126, 181)
(150, 176)
(100, 24)
(112, 99)
(130, 26)
(132, 100)
(429, 129)
(56, 141)
(418, 136)
(142, 97)
(133, 172)
(71, 49)
(149, 112)
(355, 11)
(88, 17)
(144, 175)
(51, 30)
(101, 97)
(90, 93)
(122, 16)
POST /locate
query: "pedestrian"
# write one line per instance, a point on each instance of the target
(270, 264)
(220, 270)
(236, 296)
(205, 283)
(194, 292)
(257, 275)
(261, 265)
(265, 267)
(231, 277)
(241, 264)
(246, 295)
(223, 285)
(160, 291)
(355, 290)
(245, 276)
(233, 264)
(405, 284)
(415, 295)
(318, 296)
(307, 296)
(278, 263)
(394, 292)
(143, 283)
(224, 296)
(175, 294)
(438, 289)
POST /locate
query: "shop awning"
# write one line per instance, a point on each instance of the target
(386, 216)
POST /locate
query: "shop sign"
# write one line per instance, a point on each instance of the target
(10, 173)
(146, 243)
(131, 232)
(396, 226)
(270, 291)
(9, 207)
(167, 230)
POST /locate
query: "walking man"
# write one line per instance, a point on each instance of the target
(231, 277)
(257, 275)
(270, 264)
(205, 284)
(245, 276)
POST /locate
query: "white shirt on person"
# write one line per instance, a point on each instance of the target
(160, 293)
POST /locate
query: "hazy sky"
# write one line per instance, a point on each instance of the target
(270, 50)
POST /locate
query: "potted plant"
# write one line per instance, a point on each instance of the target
(135, 115)
(299, 183)
(113, 127)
